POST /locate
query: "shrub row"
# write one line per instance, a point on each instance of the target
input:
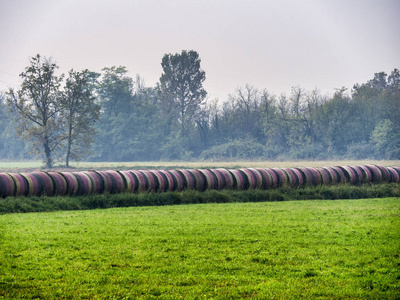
(285, 193)
(111, 182)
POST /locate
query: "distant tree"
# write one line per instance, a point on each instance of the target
(11, 147)
(115, 91)
(38, 105)
(247, 102)
(80, 112)
(335, 122)
(182, 84)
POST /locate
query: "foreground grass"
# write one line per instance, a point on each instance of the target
(279, 250)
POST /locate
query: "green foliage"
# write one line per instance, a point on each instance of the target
(175, 121)
(54, 120)
(80, 112)
(129, 127)
(343, 191)
(38, 106)
(283, 250)
(383, 139)
(11, 148)
(360, 150)
(181, 84)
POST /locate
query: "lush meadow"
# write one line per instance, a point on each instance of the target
(270, 250)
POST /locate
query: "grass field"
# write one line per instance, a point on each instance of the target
(10, 165)
(343, 249)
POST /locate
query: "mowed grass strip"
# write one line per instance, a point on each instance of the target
(15, 165)
(270, 250)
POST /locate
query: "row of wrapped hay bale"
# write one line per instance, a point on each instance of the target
(89, 182)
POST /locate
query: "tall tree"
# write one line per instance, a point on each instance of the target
(115, 90)
(38, 105)
(80, 112)
(182, 83)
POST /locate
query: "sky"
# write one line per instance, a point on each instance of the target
(270, 44)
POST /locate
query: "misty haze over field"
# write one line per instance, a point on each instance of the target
(270, 78)
(269, 44)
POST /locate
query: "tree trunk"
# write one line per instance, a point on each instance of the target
(47, 151)
(69, 145)
(67, 156)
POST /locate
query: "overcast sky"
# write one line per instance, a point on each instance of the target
(272, 44)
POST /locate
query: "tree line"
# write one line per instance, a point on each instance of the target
(110, 116)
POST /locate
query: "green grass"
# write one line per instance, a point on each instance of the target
(320, 249)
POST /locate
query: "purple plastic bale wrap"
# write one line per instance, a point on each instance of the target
(385, 173)
(259, 181)
(35, 184)
(97, 181)
(282, 177)
(316, 176)
(7, 185)
(48, 184)
(172, 181)
(366, 174)
(275, 177)
(21, 184)
(189, 179)
(395, 177)
(299, 175)
(292, 176)
(60, 184)
(376, 173)
(200, 179)
(397, 169)
(308, 178)
(342, 175)
(333, 173)
(161, 179)
(350, 174)
(240, 179)
(251, 178)
(142, 182)
(84, 183)
(179, 179)
(267, 180)
(131, 181)
(109, 184)
(325, 175)
(119, 182)
(72, 183)
(219, 179)
(166, 180)
(211, 179)
(360, 174)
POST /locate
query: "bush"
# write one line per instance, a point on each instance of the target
(343, 191)
(361, 150)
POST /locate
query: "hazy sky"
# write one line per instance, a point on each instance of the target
(272, 44)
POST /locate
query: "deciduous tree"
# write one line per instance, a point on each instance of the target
(80, 112)
(38, 106)
(182, 83)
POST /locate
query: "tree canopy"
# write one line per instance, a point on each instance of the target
(111, 116)
(182, 84)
